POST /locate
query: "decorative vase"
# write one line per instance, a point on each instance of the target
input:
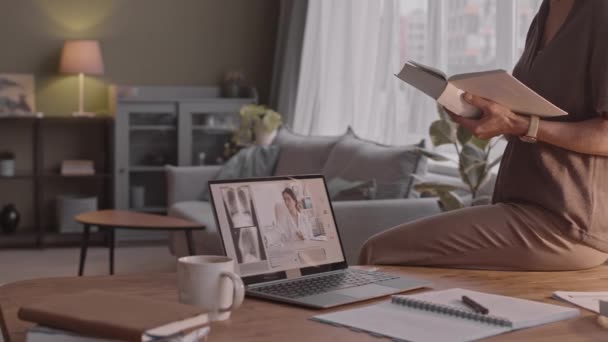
(7, 167)
(9, 219)
(138, 196)
(263, 137)
(231, 89)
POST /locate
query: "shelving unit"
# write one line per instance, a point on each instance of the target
(40, 144)
(158, 126)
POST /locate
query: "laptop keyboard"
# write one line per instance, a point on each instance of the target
(323, 283)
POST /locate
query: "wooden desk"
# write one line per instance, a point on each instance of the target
(265, 321)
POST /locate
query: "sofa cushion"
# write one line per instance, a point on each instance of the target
(391, 167)
(302, 154)
(253, 161)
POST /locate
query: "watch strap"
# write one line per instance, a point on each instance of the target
(531, 135)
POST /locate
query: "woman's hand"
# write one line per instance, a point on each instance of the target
(495, 119)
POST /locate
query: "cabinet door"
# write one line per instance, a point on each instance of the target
(205, 127)
(146, 141)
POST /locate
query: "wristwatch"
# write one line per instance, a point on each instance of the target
(530, 137)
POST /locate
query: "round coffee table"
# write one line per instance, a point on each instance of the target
(110, 220)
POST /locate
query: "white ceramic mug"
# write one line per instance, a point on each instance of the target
(209, 282)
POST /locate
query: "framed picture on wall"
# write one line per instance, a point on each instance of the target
(17, 94)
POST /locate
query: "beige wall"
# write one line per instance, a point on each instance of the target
(144, 42)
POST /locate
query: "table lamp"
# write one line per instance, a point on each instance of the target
(81, 57)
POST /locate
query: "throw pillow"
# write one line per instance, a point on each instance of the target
(391, 167)
(250, 162)
(302, 154)
(341, 189)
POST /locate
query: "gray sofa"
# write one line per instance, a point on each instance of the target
(357, 220)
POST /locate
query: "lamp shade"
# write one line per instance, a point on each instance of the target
(81, 56)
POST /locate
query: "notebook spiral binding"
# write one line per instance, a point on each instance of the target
(450, 311)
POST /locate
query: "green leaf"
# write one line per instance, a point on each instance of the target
(433, 155)
(442, 133)
(486, 178)
(482, 200)
(443, 115)
(436, 187)
(494, 162)
(473, 153)
(463, 135)
(482, 144)
(472, 165)
(449, 201)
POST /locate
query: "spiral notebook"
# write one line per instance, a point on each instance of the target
(441, 316)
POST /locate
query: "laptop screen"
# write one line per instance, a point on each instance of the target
(276, 224)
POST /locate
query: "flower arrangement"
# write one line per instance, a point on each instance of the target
(473, 163)
(258, 125)
(256, 122)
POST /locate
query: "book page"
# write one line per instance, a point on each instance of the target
(452, 100)
(587, 300)
(401, 322)
(522, 313)
(506, 90)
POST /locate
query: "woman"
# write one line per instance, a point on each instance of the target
(292, 222)
(550, 208)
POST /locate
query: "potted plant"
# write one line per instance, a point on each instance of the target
(7, 164)
(258, 125)
(474, 164)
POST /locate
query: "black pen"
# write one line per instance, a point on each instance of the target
(478, 308)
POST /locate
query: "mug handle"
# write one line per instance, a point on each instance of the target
(239, 291)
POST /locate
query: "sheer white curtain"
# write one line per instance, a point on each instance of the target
(353, 48)
(347, 74)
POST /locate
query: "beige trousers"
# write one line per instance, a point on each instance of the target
(497, 237)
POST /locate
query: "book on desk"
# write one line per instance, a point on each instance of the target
(95, 316)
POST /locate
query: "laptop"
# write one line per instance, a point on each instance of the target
(283, 235)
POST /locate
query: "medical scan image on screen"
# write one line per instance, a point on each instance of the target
(277, 225)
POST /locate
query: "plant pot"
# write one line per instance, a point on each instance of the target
(9, 219)
(263, 137)
(7, 167)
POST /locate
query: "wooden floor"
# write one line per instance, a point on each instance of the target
(60, 262)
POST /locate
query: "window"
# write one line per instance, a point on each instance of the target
(469, 35)
(352, 49)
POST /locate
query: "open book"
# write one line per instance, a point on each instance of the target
(441, 316)
(496, 85)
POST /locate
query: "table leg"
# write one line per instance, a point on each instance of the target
(83, 249)
(112, 243)
(189, 241)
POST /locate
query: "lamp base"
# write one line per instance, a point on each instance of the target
(83, 114)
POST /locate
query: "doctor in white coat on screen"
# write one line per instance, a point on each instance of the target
(291, 222)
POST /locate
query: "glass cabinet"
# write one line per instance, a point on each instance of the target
(158, 126)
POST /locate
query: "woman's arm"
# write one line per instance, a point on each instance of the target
(587, 137)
